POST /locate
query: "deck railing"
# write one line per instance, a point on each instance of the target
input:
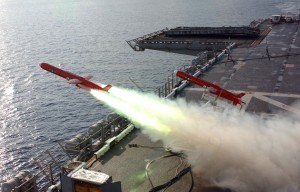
(52, 162)
(173, 81)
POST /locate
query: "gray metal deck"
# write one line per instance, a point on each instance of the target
(275, 78)
(271, 86)
(267, 69)
(192, 40)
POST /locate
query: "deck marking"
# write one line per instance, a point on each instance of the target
(278, 104)
(251, 92)
(262, 96)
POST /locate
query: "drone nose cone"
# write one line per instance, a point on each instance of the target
(44, 65)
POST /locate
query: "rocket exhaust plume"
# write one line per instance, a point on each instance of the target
(238, 151)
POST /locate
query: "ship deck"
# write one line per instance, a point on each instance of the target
(193, 44)
(272, 86)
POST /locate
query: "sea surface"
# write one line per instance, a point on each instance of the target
(38, 109)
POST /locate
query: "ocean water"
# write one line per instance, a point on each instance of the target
(38, 109)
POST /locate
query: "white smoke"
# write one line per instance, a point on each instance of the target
(238, 151)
